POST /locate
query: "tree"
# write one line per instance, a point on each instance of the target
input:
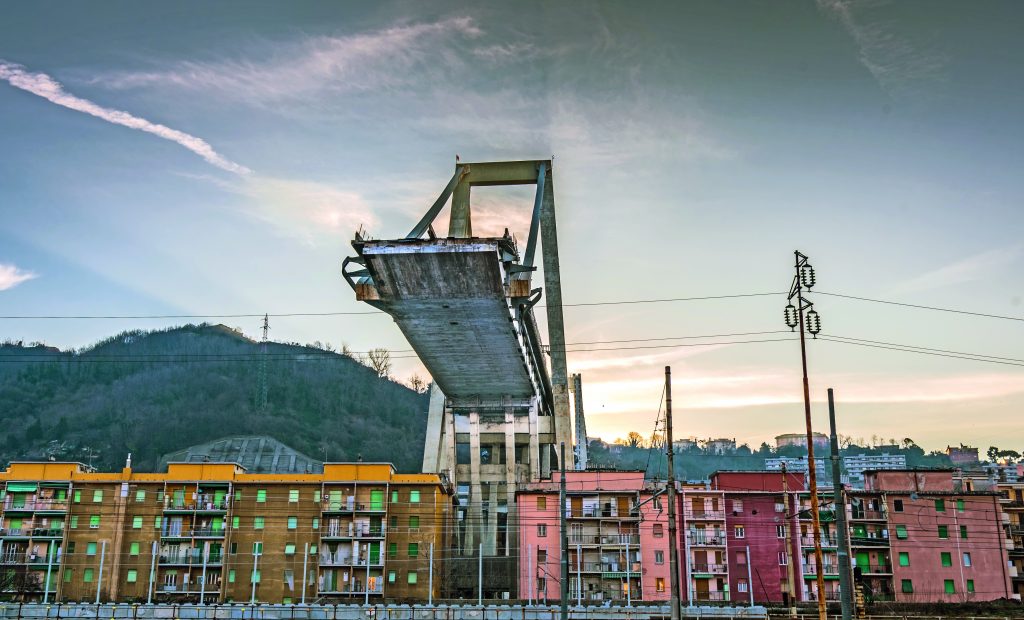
(992, 453)
(634, 439)
(380, 360)
(417, 384)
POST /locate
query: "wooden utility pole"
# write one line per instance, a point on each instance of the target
(673, 546)
(564, 534)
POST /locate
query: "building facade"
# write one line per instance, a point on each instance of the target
(213, 532)
(856, 464)
(1013, 507)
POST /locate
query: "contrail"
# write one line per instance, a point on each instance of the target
(46, 87)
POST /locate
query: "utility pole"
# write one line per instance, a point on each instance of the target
(673, 548)
(804, 278)
(261, 396)
(564, 535)
(790, 578)
(845, 576)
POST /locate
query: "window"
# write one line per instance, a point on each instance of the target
(68, 575)
(94, 522)
(949, 586)
(959, 505)
(140, 496)
(940, 505)
(312, 550)
(255, 576)
(414, 497)
(257, 548)
(97, 496)
(257, 523)
(741, 585)
(542, 584)
(414, 522)
(376, 500)
(136, 523)
(783, 558)
(970, 585)
(741, 532)
(156, 522)
(901, 532)
(737, 505)
(234, 548)
(659, 557)
(316, 523)
(293, 523)
(392, 550)
(231, 576)
(542, 530)
(394, 523)
(238, 495)
(133, 549)
(90, 548)
(659, 584)
(71, 547)
(907, 586)
(133, 575)
(293, 496)
(394, 497)
(780, 531)
(316, 496)
(235, 522)
(391, 576)
(542, 502)
(289, 549)
(897, 505)
(412, 577)
(659, 530)
(741, 557)
(414, 549)
(78, 497)
(943, 531)
(967, 559)
(947, 558)
(87, 575)
(74, 522)
(904, 558)
(542, 556)
(780, 507)
(963, 531)
(261, 497)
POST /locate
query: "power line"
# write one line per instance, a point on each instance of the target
(923, 307)
(904, 349)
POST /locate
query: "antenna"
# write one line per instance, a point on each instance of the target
(261, 394)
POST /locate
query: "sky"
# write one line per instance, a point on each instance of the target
(198, 158)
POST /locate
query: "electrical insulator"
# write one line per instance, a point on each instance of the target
(813, 323)
(791, 318)
(807, 275)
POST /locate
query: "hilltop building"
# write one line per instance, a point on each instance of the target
(856, 464)
(799, 440)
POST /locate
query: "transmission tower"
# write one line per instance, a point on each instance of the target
(261, 394)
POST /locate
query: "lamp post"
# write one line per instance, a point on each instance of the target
(806, 318)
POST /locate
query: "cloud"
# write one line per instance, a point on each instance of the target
(968, 269)
(46, 87)
(896, 62)
(11, 276)
(373, 61)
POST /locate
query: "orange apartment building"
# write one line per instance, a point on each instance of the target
(213, 532)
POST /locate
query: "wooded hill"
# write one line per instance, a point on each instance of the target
(150, 393)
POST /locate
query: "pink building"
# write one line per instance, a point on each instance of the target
(760, 522)
(705, 566)
(616, 551)
(945, 545)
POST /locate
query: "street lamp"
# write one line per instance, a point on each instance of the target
(807, 319)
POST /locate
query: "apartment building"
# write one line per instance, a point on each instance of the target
(618, 538)
(1012, 502)
(705, 569)
(213, 532)
(856, 464)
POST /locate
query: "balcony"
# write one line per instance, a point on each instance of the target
(35, 506)
(350, 505)
(208, 505)
(711, 596)
(875, 569)
(620, 539)
(826, 541)
(584, 539)
(709, 568)
(190, 559)
(827, 569)
(869, 541)
(867, 515)
(707, 541)
(173, 532)
(705, 515)
(353, 590)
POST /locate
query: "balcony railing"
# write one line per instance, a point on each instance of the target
(711, 596)
(875, 569)
(827, 569)
(173, 532)
(868, 515)
(707, 541)
(620, 539)
(354, 590)
(584, 539)
(707, 515)
(205, 505)
(190, 558)
(869, 540)
(708, 568)
(37, 505)
(826, 541)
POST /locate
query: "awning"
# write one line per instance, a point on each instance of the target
(21, 487)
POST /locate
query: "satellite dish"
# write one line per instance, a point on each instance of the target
(913, 496)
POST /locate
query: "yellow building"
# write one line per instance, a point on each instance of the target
(213, 532)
